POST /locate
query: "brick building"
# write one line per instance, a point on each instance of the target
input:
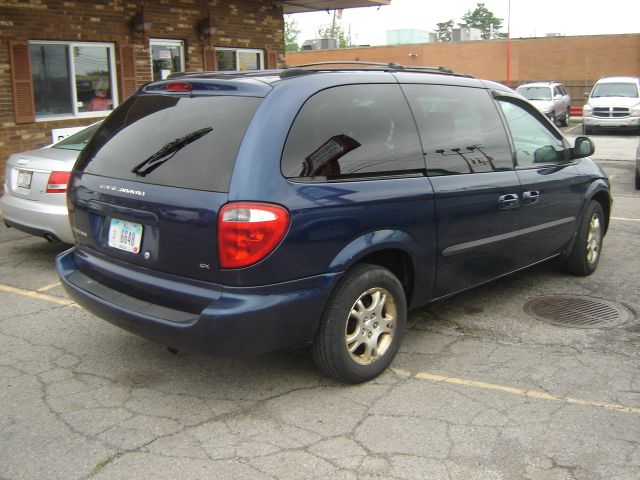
(575, 61)
(66, 63)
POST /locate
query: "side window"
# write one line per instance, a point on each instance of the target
(353, 131)
(534, 143)
(460, 129)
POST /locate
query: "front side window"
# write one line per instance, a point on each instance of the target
(167, 57)
(239, 59)
(72, 79)
(460, 129)
(353, 131)
(534, 143)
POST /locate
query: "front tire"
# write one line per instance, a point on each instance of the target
(565, 120)
(362, 326)
(585, 254)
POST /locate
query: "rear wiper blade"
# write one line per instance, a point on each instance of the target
(168, 151)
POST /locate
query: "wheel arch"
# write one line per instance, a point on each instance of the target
(392, 249)
(604, 199)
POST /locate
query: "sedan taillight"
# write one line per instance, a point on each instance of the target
(249, 231)
(58, 182)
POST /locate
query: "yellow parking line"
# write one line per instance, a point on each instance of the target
(37, 295)
(516, 391)
(48, 287)
(626, 219)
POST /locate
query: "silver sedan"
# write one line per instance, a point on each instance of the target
(35, 187)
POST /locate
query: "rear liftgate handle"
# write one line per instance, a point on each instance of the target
(510, 200)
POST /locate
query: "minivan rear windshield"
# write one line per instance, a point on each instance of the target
(178, 141)
(615, 90)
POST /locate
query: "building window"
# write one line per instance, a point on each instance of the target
(167, 57)
(73, 79)
(232, 59)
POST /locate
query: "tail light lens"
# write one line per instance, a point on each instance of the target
(58, 182)
(249, 231)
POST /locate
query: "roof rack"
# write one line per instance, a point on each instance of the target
(303, 69)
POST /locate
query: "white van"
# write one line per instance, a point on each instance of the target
(614, 103)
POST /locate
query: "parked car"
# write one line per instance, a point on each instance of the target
(236, 214)
(613, 104)
(35, 187)
(551, 98)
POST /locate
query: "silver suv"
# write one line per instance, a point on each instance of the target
(614, 103)
(551, 98)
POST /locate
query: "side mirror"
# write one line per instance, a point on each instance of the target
(558, 97)
(547, 154)
(583, 147)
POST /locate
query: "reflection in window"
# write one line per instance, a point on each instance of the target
(166, 58)
(50, 76)
(533, 142)
(460, 129)
(353, 131)
(72, 78)
(93, 79)
(239, 59)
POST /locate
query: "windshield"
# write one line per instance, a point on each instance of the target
(78, 140)
(615, 90)
(535, 93)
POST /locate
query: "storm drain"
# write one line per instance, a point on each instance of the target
(577, 312)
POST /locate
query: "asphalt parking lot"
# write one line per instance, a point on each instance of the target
(480, 389)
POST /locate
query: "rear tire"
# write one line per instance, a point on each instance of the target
(362, 326)
(585, 254)
(565, 120)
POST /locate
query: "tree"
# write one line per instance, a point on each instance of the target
(334, 30)
(485, 20)
(444, 31)
(291, 32)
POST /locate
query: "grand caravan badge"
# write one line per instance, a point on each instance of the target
(129, 191)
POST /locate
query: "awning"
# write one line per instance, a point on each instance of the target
(301, 6)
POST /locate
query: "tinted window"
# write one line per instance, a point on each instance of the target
(210, 130)
(353, 131)
(460, 129)
(535, 144)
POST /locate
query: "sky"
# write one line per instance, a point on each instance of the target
(529, 18)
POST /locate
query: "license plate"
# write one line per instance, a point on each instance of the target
(125, 235)
(24, 178)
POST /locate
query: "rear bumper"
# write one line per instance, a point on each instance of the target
(621, 123)
(237, 321)
(36, 218)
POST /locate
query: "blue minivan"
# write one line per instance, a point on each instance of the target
(240, 213)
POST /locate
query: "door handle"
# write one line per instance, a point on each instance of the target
(531, 197)
(510, 200)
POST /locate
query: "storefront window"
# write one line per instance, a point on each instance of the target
(167, 57)
(72, 79)
(231, 59)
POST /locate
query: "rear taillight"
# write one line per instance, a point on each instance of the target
(58, 182)
(249, 231)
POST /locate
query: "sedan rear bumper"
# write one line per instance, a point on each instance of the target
(36, 218)
(238, 321)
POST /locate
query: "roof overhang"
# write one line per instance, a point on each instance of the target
(301, 6)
